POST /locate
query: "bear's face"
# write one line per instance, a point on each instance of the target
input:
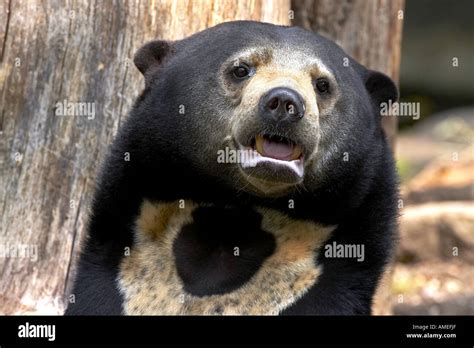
(281, 104)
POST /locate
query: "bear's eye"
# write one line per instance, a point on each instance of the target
(242, 71)
(322, 85)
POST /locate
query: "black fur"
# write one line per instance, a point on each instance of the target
(168, 163)
(205, 250)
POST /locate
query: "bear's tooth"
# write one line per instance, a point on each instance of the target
(297, 151)
(259, 144)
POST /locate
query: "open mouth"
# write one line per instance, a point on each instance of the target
(277, 147)
(274, 158)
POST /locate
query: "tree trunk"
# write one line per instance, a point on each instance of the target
(72, 52)
(368, 30)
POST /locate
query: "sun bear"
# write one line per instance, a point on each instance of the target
(251, 177)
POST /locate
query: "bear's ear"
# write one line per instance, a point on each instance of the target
(380, 87)
(150, 56)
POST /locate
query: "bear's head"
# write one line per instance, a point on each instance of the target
(260, 108)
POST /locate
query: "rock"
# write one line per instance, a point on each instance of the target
(432, 231)
(450, 177)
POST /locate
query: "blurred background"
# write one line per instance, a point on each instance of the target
(435, 155)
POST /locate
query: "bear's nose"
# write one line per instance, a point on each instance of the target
(281, 104)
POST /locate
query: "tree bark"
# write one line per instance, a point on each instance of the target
(75, 52)
(368, 30)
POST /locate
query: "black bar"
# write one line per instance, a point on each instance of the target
(227, 330)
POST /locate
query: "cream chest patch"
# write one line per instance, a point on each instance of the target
(150, 284)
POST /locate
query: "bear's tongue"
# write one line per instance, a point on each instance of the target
(277, 150)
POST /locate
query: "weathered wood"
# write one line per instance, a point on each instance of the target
(75, 52)
(368, 30)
